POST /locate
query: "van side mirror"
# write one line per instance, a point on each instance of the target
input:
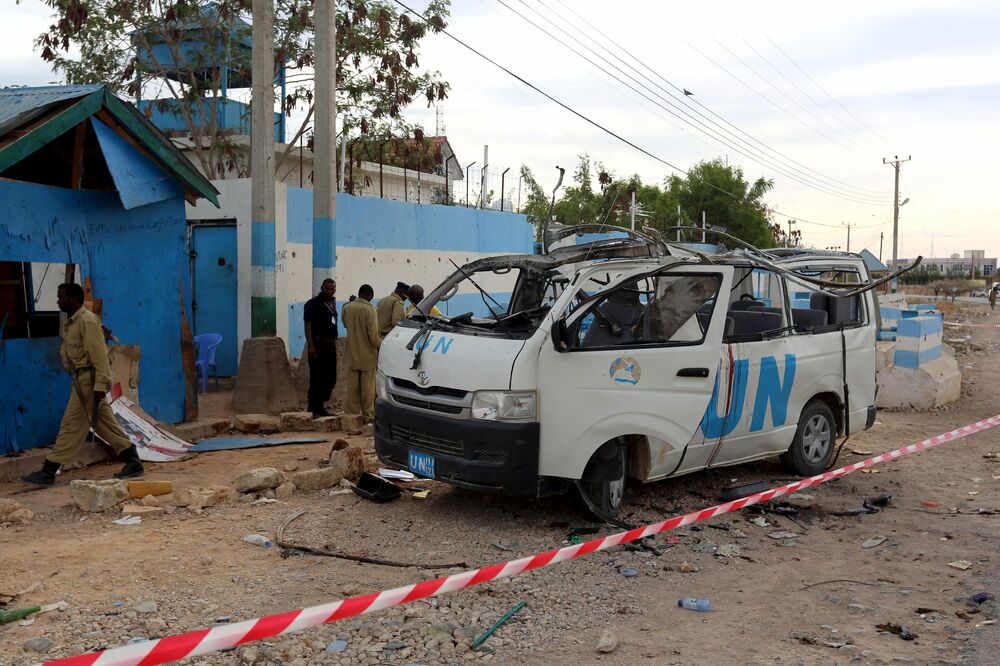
(560, 335)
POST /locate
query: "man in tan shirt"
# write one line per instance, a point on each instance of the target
(363, 342)
(84, 353)
(390, 309)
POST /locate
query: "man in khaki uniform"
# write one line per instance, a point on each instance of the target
(390, 309)
(363, 341)
(85, 354)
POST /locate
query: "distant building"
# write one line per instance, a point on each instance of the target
(957, 265)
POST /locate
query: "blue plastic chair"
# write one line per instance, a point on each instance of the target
(207, 343)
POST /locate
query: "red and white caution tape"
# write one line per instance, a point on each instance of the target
(959, 324)
(194, 643)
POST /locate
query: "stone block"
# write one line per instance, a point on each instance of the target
(97, 496)
(150, 500)
(8, 506)
(19, 516)
(193, 431)
(285, 490)
(327, 424)
(352, 422)
(258, 479)
(883, 354)
(347, 460)
(934, 384)
(143, 511)
(200, 498)
(141, 488)
(297, 422)
(317, 479)
(264, 383)
(256, 423)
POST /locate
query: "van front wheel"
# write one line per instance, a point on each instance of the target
(602, 487)
(814, 442)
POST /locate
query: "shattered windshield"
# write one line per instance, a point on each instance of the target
(507, 302)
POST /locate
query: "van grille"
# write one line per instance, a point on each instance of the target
(491, 452)
(430, 390)
(427, 441)
(426, 404)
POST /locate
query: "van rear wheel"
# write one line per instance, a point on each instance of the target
(814, 443)
(602, 487)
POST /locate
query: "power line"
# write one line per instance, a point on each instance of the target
(684, 116)
(796, 86)
(590, 121)
(688, 99)
(783, 94)
(815, 83)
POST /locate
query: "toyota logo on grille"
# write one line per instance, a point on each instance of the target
(423, 379)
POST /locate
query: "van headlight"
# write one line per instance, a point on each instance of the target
(504, 405)
(381, 389)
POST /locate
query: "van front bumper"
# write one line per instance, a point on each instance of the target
(485, 456)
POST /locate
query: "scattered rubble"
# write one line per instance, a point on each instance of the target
(262, 478)
(97, 496)
(257, 423)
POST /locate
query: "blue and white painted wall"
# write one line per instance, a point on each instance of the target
(378, 242)
(918, 341)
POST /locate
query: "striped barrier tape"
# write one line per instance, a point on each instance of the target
(955, 323)
(172, 648)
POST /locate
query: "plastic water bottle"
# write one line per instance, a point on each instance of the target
(700, 605)
(258, 540)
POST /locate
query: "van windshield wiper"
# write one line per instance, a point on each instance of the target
(430, 324)
(482, 292)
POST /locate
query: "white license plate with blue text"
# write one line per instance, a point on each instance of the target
(422, 464)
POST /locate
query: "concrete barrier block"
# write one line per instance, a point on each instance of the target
(934, 384)
(918, 341)
(883, 354)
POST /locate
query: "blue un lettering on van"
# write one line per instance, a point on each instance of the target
(772, 389)
(436, 344)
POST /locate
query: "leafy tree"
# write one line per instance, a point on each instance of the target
(378, 71)
(720, 190)
(536, 203)
(727, 199)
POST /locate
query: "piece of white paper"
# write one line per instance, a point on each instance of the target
(396, 474)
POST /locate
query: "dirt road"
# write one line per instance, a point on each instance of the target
(816, 598)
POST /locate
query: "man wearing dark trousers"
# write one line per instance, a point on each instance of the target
(320, 317)
(84, 353)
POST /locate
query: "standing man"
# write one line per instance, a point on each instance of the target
(84, 353)
(390, 309)
(320, 315)
(416, 294)
(363, 342)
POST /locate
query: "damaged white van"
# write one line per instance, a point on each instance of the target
(628, 358)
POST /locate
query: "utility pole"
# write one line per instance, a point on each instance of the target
(788, 243)
(896, 163)
(632, 212)
(679, 221)
(325, 146)
(848, 225)
(262, 251)
(881, 235)
(702, 227)
(482, 185)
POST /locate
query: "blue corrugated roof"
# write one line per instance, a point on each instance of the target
(19, 105)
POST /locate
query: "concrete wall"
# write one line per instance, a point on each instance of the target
(378, 242)
(137, 262)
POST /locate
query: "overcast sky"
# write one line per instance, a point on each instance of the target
(820, 93)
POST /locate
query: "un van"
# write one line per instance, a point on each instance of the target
(628, 359)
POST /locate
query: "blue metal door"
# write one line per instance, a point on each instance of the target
(214, 279)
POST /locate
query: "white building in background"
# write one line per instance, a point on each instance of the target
(963, 264)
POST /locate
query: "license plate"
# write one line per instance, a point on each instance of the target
(422, 464)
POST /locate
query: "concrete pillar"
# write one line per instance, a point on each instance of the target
(325, 146)
(262, 257)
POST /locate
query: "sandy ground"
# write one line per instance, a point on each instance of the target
(768, 593)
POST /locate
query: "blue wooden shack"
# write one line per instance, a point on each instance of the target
(90, 189)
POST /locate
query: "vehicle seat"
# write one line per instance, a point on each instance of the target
(736, 306)
(750, 324)
(838, 310)
(806, 319)
(621, 309)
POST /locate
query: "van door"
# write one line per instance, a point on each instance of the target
(642, 358)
